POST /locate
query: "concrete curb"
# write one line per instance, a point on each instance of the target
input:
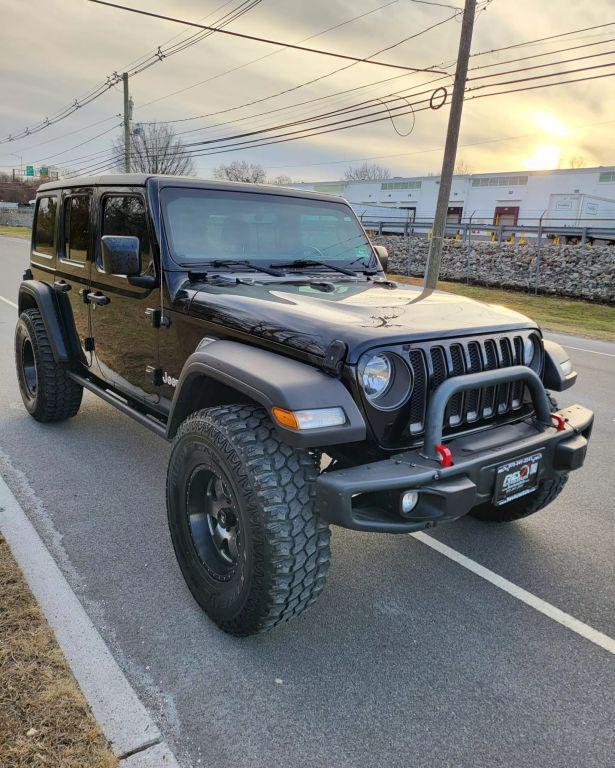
(132, 733)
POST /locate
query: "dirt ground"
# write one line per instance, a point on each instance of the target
(44, 719)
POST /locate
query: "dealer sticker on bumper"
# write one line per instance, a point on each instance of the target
(516, 478)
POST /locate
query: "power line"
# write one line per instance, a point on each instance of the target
(392, 97)
(400, 110)
(349, 161)
(312, 81)
(261, 58)
(310, 101)
(322, 77)
(115, 78)
(267, 55)
(332, 127)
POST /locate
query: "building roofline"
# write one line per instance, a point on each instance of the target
(592, 169)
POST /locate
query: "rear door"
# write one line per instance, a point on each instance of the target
(125, 339)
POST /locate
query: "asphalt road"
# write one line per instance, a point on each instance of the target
(407, 659)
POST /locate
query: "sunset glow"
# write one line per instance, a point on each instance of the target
(544, 157)
(551, 124)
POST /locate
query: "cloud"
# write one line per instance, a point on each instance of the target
(73, 46)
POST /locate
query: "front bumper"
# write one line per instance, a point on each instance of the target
(366, 498)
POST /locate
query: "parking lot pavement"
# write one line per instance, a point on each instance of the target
(408, 658)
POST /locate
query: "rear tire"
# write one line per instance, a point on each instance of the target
(241, 515)
(546, 492)
(47, 391)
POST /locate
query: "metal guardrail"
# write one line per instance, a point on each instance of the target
(602, 230)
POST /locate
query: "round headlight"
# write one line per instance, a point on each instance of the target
(529, 350)
(376, 376)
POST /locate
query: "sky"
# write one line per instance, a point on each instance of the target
(53, 51)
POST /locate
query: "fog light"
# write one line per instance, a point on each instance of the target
(409, 501)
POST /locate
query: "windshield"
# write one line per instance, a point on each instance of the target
(203, 225)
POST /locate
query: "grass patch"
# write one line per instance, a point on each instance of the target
(44, 719)
(553, 313)
(23, 232)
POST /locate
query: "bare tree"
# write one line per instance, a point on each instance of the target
(462, 168)
(577, 161)
(154, 148)
(241, 170)
(281, 181)
(367, 172)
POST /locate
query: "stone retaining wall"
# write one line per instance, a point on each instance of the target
(16, 217)
(578, 271)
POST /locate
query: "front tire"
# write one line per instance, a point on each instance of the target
(242, 521)
(47, 391)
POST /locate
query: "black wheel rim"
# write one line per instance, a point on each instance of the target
(213, 522)
(28, 366)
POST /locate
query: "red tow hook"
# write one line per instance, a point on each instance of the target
(560, 421)
(446, 457)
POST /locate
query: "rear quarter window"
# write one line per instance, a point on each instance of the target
(45, 225)
(77, 227)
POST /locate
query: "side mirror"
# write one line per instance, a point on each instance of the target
(383, 256)
(120, 255)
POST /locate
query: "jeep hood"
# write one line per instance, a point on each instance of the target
(363, 315)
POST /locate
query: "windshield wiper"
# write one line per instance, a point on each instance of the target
(302, 263)
(217, 263)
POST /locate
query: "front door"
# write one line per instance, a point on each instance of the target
(125, 341)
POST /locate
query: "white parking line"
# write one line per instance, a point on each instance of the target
(584, 630)
(592, 351)
(8, 301)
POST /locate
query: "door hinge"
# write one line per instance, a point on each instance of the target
(153, 375)
(334, 357)
(88, 344)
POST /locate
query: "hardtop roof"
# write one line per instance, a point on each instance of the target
(141, 179)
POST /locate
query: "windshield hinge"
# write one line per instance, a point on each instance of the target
(334, 357)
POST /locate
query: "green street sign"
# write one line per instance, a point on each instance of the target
(43, 171)
(29, 170)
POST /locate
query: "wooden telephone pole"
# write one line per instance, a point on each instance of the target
(432, 268)
(127, 119)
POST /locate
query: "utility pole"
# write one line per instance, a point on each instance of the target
(127, 119)
(432, 268)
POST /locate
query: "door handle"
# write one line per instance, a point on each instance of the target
(62, 286)
(97, 298)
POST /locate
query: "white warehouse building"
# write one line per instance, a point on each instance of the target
(581, 197)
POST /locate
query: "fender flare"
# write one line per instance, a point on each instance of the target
(271, 380)
(34, 292)
(554, 377)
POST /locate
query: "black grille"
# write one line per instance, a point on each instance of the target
(433, 363)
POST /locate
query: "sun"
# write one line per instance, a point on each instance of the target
(545, 157)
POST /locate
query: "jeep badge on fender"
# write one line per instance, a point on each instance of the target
(295, 403)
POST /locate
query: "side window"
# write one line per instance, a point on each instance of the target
(77, 227)
(45, 226)
(125, 215)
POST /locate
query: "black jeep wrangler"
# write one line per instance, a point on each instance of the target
(254, 328)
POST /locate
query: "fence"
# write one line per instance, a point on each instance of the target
(588, 230)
